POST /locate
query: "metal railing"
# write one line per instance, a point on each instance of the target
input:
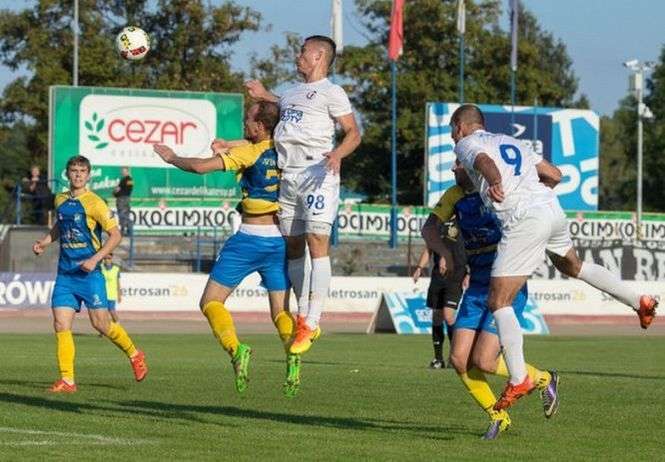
(204, 246)
(23, 203)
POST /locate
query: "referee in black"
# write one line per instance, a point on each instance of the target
(444, 290)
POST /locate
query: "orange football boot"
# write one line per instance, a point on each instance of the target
(60, 386)
(647, 310)
(514, 392)
(303, 339)
(139, 366)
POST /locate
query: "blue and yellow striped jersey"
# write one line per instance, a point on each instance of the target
(480, 228)
(256, 165)
(80, 223)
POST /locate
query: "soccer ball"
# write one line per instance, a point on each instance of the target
(132, 43)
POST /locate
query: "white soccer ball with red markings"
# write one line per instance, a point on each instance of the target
(132, 43)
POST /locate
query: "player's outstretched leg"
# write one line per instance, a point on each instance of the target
(101, 321)
(118, 335)
(603, 279)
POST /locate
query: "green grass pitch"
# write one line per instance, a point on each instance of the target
(362, 398)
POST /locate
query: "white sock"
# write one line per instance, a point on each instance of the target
(510, 336)
(603, 279)
(299, 272)
(320, 282)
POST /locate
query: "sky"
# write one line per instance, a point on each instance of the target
(599, 34)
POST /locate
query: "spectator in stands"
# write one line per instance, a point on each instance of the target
(122, 193)
(41, 197)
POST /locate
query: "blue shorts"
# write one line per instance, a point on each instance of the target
(73, 289)
(245, 253)
(111, 305)
(474, 314)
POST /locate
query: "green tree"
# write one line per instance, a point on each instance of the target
(428, 71)
(654, 148)
(15, 164)
(191, 49)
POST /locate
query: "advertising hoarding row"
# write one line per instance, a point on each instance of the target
(181, 292)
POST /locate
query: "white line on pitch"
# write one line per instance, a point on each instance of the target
(97, 439)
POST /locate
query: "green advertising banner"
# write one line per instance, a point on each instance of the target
(117, 128)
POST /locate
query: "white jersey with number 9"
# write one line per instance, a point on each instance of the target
(516, 162)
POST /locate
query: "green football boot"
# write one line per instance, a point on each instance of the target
(240, 363)
(292, 383)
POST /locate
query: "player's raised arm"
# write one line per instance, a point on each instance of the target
(488, 169)
(349, 143)
(549, 174)
(189, 164)
(221, 146)
(258, 92)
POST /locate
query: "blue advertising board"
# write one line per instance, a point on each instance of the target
(407, 313)
(569, 138)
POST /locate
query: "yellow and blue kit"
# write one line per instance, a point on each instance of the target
(111, 276)
(481, 231)
(80, 222)
(259, 248)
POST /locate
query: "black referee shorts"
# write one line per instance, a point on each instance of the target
(444, 293)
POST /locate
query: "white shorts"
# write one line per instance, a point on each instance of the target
(308, 203)
(527, 235)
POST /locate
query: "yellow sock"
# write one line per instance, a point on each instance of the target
(476, 383)
(540, 378)
(221, 323)
(65, 351)
(118, 335)
(286, 325)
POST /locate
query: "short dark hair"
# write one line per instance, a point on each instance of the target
(79, 160)
(268, 115)
(468, 113)
(328, 44)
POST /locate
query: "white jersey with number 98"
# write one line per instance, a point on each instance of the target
(516, 162)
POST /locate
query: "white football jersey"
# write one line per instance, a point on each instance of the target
(516, 162)
(306, 129)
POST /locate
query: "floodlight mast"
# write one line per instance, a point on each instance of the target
(636, 85)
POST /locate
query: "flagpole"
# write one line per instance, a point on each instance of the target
(512, 96)
(393, 157)
(461, 29)
(514, 12)
(461, 69)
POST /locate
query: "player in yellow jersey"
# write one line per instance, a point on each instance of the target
(111, 273)
(258, 246)
(81, 216)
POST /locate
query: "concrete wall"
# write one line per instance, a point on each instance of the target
(16, 251)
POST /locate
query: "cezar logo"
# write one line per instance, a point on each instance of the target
(94, 127)
(121, 130)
